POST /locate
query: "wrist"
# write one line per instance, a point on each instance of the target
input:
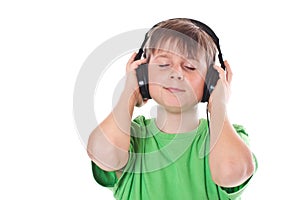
(217, 106)
(218, 113)
(130, 97)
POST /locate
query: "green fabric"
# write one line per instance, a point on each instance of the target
(167, 166)
(104, 178)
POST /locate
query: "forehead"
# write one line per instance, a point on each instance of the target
(159, 53)
(177, 46)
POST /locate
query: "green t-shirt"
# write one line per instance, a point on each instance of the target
(165, 166)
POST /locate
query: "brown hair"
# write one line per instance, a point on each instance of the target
(182, 37)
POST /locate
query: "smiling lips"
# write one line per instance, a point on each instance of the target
(174, 90)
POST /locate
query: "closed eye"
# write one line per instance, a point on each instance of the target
(164, 65)
(190, 68)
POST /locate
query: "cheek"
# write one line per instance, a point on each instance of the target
(155, 83)
(197, 88)
(156, 79)
(154, 90)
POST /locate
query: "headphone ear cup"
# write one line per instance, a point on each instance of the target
(211, 79)
(143, 82)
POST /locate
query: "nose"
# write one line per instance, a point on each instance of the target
(176, 74)
(179, 77)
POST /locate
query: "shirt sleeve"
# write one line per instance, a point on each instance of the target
(235, 192)
(104, 178)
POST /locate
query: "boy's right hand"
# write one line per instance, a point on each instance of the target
(131, 84)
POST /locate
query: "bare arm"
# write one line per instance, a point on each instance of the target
(109, 142)
(230, 159)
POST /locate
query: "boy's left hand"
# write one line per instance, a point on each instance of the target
(221, 93)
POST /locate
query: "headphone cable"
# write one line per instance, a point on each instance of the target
(207, 118)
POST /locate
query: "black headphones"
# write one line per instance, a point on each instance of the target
(211, 77)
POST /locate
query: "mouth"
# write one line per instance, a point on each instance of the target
(174, 90)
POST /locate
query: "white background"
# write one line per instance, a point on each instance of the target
(44, 44)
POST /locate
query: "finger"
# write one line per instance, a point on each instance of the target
(221, 71)
(228, 72)
(131, 59)
(139, 62)
(135, 64)
(218, 68)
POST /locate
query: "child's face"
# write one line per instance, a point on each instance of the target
(176, 82)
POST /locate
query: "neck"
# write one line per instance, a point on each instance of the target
(177, 122)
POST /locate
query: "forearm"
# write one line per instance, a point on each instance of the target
(109, 142)
(230, 158)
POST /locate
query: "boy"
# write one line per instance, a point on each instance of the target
(175, 155)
